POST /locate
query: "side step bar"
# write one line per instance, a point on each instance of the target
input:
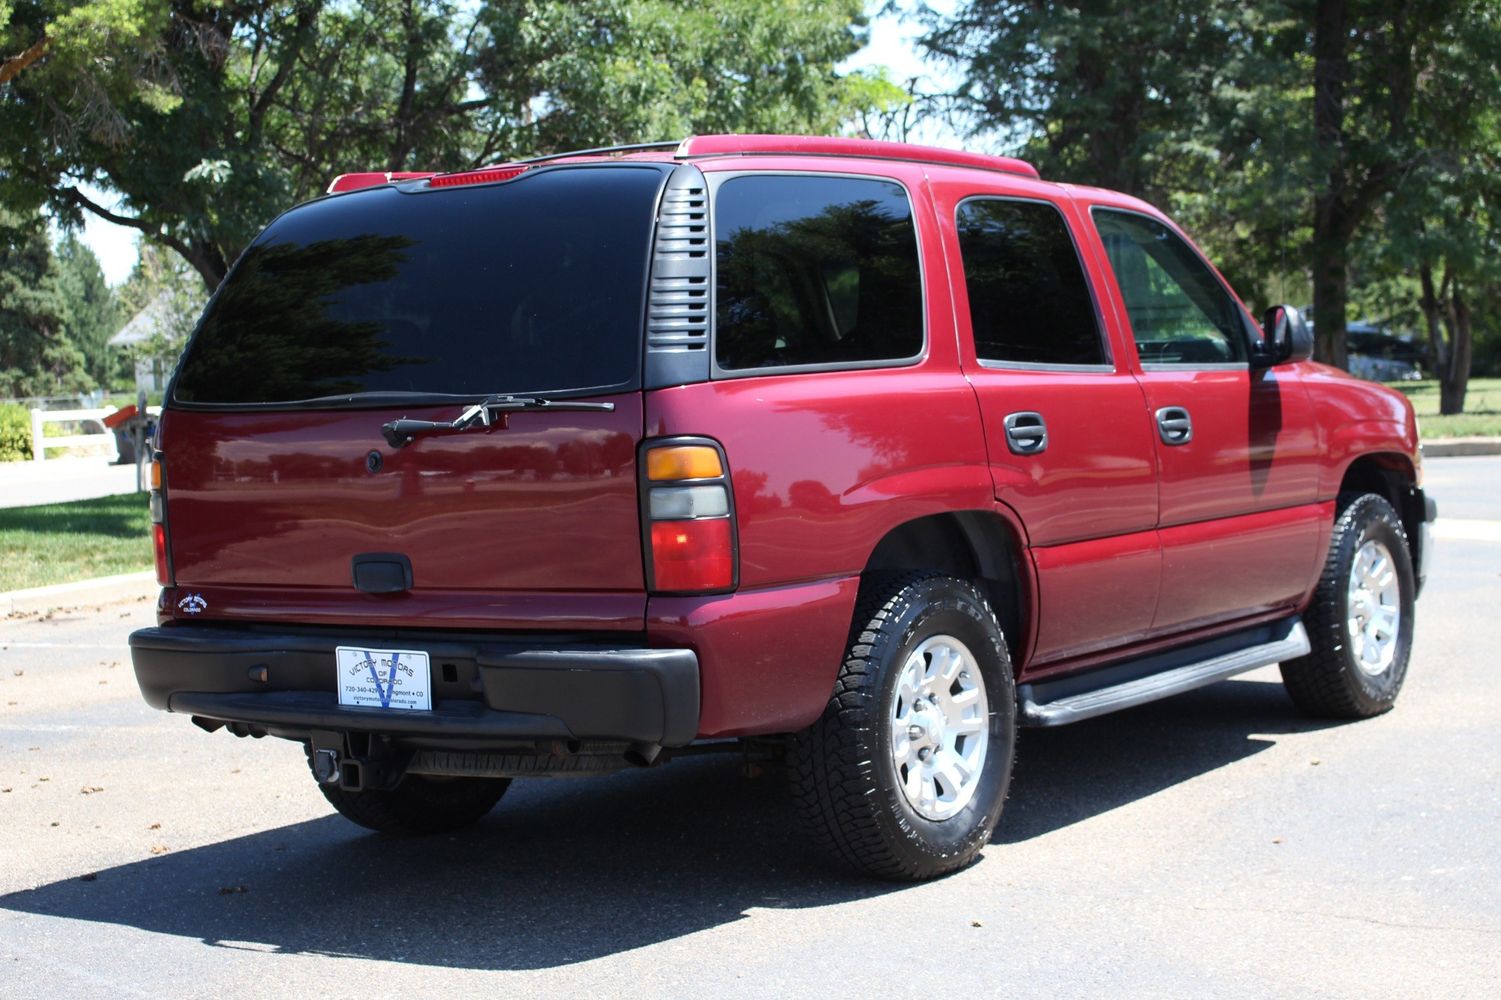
(1136, 682)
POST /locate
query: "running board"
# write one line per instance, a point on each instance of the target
(1136, 682)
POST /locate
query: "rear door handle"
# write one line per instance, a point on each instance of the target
(1026, 432)
(1175, 425)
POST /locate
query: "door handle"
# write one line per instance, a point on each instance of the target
(1026, 432)
(1175, 425)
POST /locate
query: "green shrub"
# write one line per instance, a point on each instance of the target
(15, 433)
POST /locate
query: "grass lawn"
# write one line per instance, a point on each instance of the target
(59, 543)
(1482, 416)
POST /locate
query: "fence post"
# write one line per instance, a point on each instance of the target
(140, 436)
(38, 449)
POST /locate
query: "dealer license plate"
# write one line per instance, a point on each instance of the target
(384, 678)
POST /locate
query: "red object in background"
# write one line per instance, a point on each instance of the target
(124, 413)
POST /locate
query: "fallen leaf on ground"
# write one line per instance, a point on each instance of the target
(154, 826)
(159, 848)
(91, 789)
(1276, 840)
(55, 823)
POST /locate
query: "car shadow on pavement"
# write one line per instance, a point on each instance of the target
(1072, 773)
(563, 871)
(568, 871)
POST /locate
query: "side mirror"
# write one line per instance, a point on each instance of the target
(1285, 337)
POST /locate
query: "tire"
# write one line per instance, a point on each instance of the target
(851, 771)
(1360, 621)
(420, 804)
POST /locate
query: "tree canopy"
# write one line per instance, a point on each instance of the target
(208, 117)
(1289, 135)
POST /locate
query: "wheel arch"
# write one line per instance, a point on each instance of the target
(981, 546)
(1392, 476)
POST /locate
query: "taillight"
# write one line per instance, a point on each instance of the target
(688, 514)
(159, 523)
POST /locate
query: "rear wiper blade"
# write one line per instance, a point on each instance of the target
(481, 414)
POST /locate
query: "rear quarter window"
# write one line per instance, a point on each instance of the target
(815, 271)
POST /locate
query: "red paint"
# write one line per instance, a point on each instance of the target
(808, 145)
(1125, 545)
(538, 513)
(353, 182)
(767, 658)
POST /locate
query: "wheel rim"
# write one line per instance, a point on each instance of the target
(1374, 608)
(940, 727)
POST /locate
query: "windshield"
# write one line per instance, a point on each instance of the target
(530, 286)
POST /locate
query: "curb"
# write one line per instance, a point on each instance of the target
(101, 590)
(1449, 447)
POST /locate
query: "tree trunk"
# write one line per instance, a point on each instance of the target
(1331, 292)
(1454, 379)
(1331, 64)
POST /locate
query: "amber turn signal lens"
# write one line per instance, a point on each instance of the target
(156, 475)
(685, 461)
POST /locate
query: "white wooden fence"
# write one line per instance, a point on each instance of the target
(102, 438)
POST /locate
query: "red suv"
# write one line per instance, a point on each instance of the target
(868, 452)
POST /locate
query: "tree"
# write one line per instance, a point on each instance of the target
(36, 358)
(92, 315)
(1102, 92)
(1239, 118)
(1442, 218)
(210, 116)
(1195, 106)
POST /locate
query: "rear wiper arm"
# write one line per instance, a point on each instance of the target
(481, 414)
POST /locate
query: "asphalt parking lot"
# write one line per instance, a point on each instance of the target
(1212, 845)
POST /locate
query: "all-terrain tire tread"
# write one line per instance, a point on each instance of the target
(1319, 683)
(419, 805)
(829, 763)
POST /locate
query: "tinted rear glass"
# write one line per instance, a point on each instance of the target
(534, 285)
(1028, 298)
(815, 271)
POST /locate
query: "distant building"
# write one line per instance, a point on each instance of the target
(155, 324)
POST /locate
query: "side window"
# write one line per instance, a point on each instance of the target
(1180, 313)
(815, 271)
(1028, 298)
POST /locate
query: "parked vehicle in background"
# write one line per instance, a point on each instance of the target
(1381, 356)
(859, 453)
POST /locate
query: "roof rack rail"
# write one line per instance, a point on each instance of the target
(627, 148)
(808, 145)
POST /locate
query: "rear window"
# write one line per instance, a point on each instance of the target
(533, 285)
(815, 271)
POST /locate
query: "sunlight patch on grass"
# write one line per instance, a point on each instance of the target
(63, 542)
(1482, 416)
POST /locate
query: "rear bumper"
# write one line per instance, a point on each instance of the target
(483, 692)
